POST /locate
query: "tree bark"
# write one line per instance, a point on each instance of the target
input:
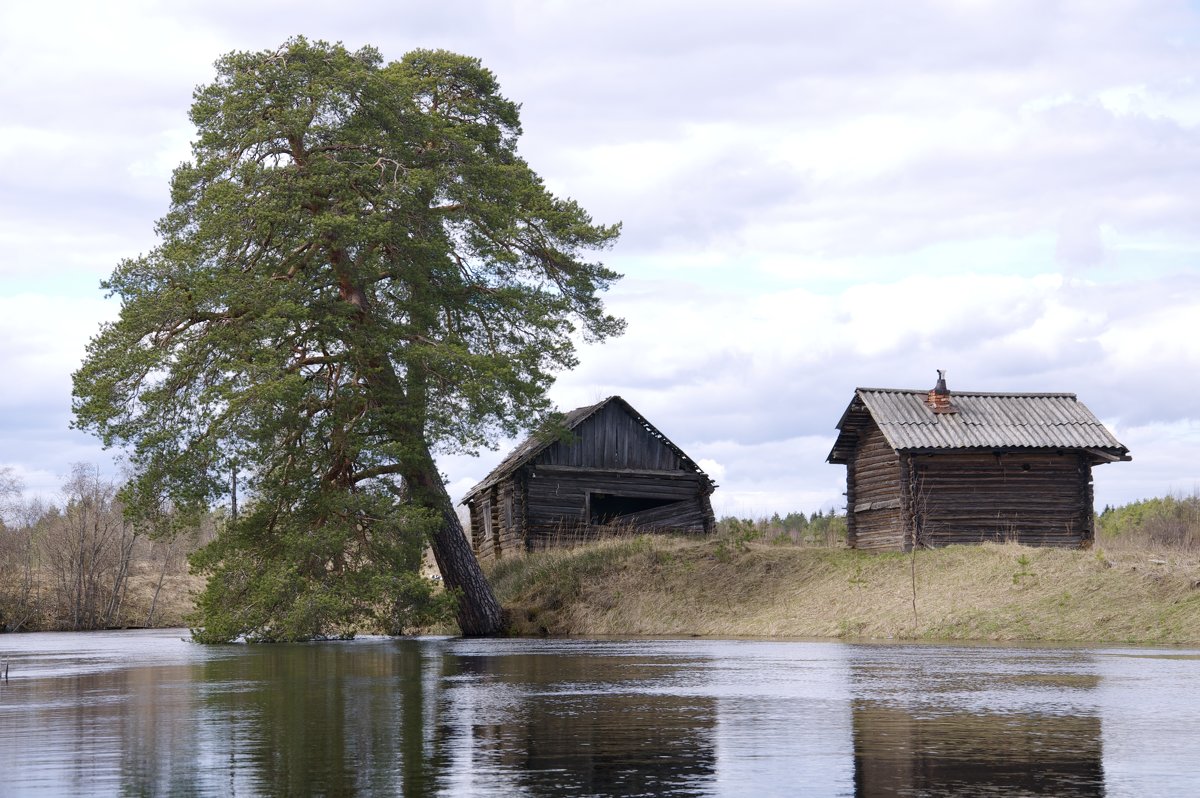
(479, 613)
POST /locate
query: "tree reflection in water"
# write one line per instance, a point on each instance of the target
(402, 717)
(148, 714)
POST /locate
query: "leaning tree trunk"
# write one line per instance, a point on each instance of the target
(479, 613)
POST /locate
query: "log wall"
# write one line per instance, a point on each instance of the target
(936, 499)
(548, 501)
(1034, 498)
(557, 503)
(497, 517)
(873, 494)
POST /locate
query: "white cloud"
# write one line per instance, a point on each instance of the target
(715, 470)
(48, 335)
(815, 196)
(1164, 462)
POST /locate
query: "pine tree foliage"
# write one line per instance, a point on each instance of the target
(357, 271)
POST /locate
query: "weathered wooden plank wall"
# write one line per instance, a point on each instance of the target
(612, 439)
(638, 482)
(496, 520)
(1035, 498)
(873, 496)
(937, 498)
(557, 504)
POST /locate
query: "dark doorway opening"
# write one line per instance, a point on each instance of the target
(607, 507)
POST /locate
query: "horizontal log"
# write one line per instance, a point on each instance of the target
(883, 504)
(587, 472)
(882, 543)
(552, 487)
(876, 457)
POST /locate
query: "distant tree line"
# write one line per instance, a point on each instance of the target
(1167, 522)
(81, 564)
(819, 528)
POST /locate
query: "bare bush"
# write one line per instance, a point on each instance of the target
(88, 549)
(19, 589)
(10, 494)
(82, 565)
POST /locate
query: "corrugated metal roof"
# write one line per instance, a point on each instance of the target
(980, 421)
(536, 443)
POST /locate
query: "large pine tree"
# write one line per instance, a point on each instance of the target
(357, 271)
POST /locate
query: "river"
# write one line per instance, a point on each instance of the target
(149, 713)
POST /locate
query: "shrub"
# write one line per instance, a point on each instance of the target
(818, 529)
(1167, 522)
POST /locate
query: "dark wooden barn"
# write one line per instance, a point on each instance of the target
(617, 472)
(930, 468)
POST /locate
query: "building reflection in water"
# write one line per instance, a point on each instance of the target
(573, 724)
(930, 735)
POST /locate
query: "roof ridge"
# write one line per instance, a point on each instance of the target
(984, 420)
(531, 446)
(956, 392)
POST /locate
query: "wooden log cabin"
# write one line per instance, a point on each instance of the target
(931, 468)
(615, 472)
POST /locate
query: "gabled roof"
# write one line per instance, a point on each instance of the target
(980, 421)
(535, 444)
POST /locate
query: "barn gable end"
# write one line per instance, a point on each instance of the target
(930, 468)
(613, 438)
(616, 473)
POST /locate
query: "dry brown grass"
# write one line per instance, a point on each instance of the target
(667, 586)
(176, 599)
(173, 607)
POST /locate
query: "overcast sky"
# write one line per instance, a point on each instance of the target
(815, 196)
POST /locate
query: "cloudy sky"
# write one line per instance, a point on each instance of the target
(815, 196)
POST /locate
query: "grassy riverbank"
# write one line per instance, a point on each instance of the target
(718, 587)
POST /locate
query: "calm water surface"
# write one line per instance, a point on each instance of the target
(148, 713)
